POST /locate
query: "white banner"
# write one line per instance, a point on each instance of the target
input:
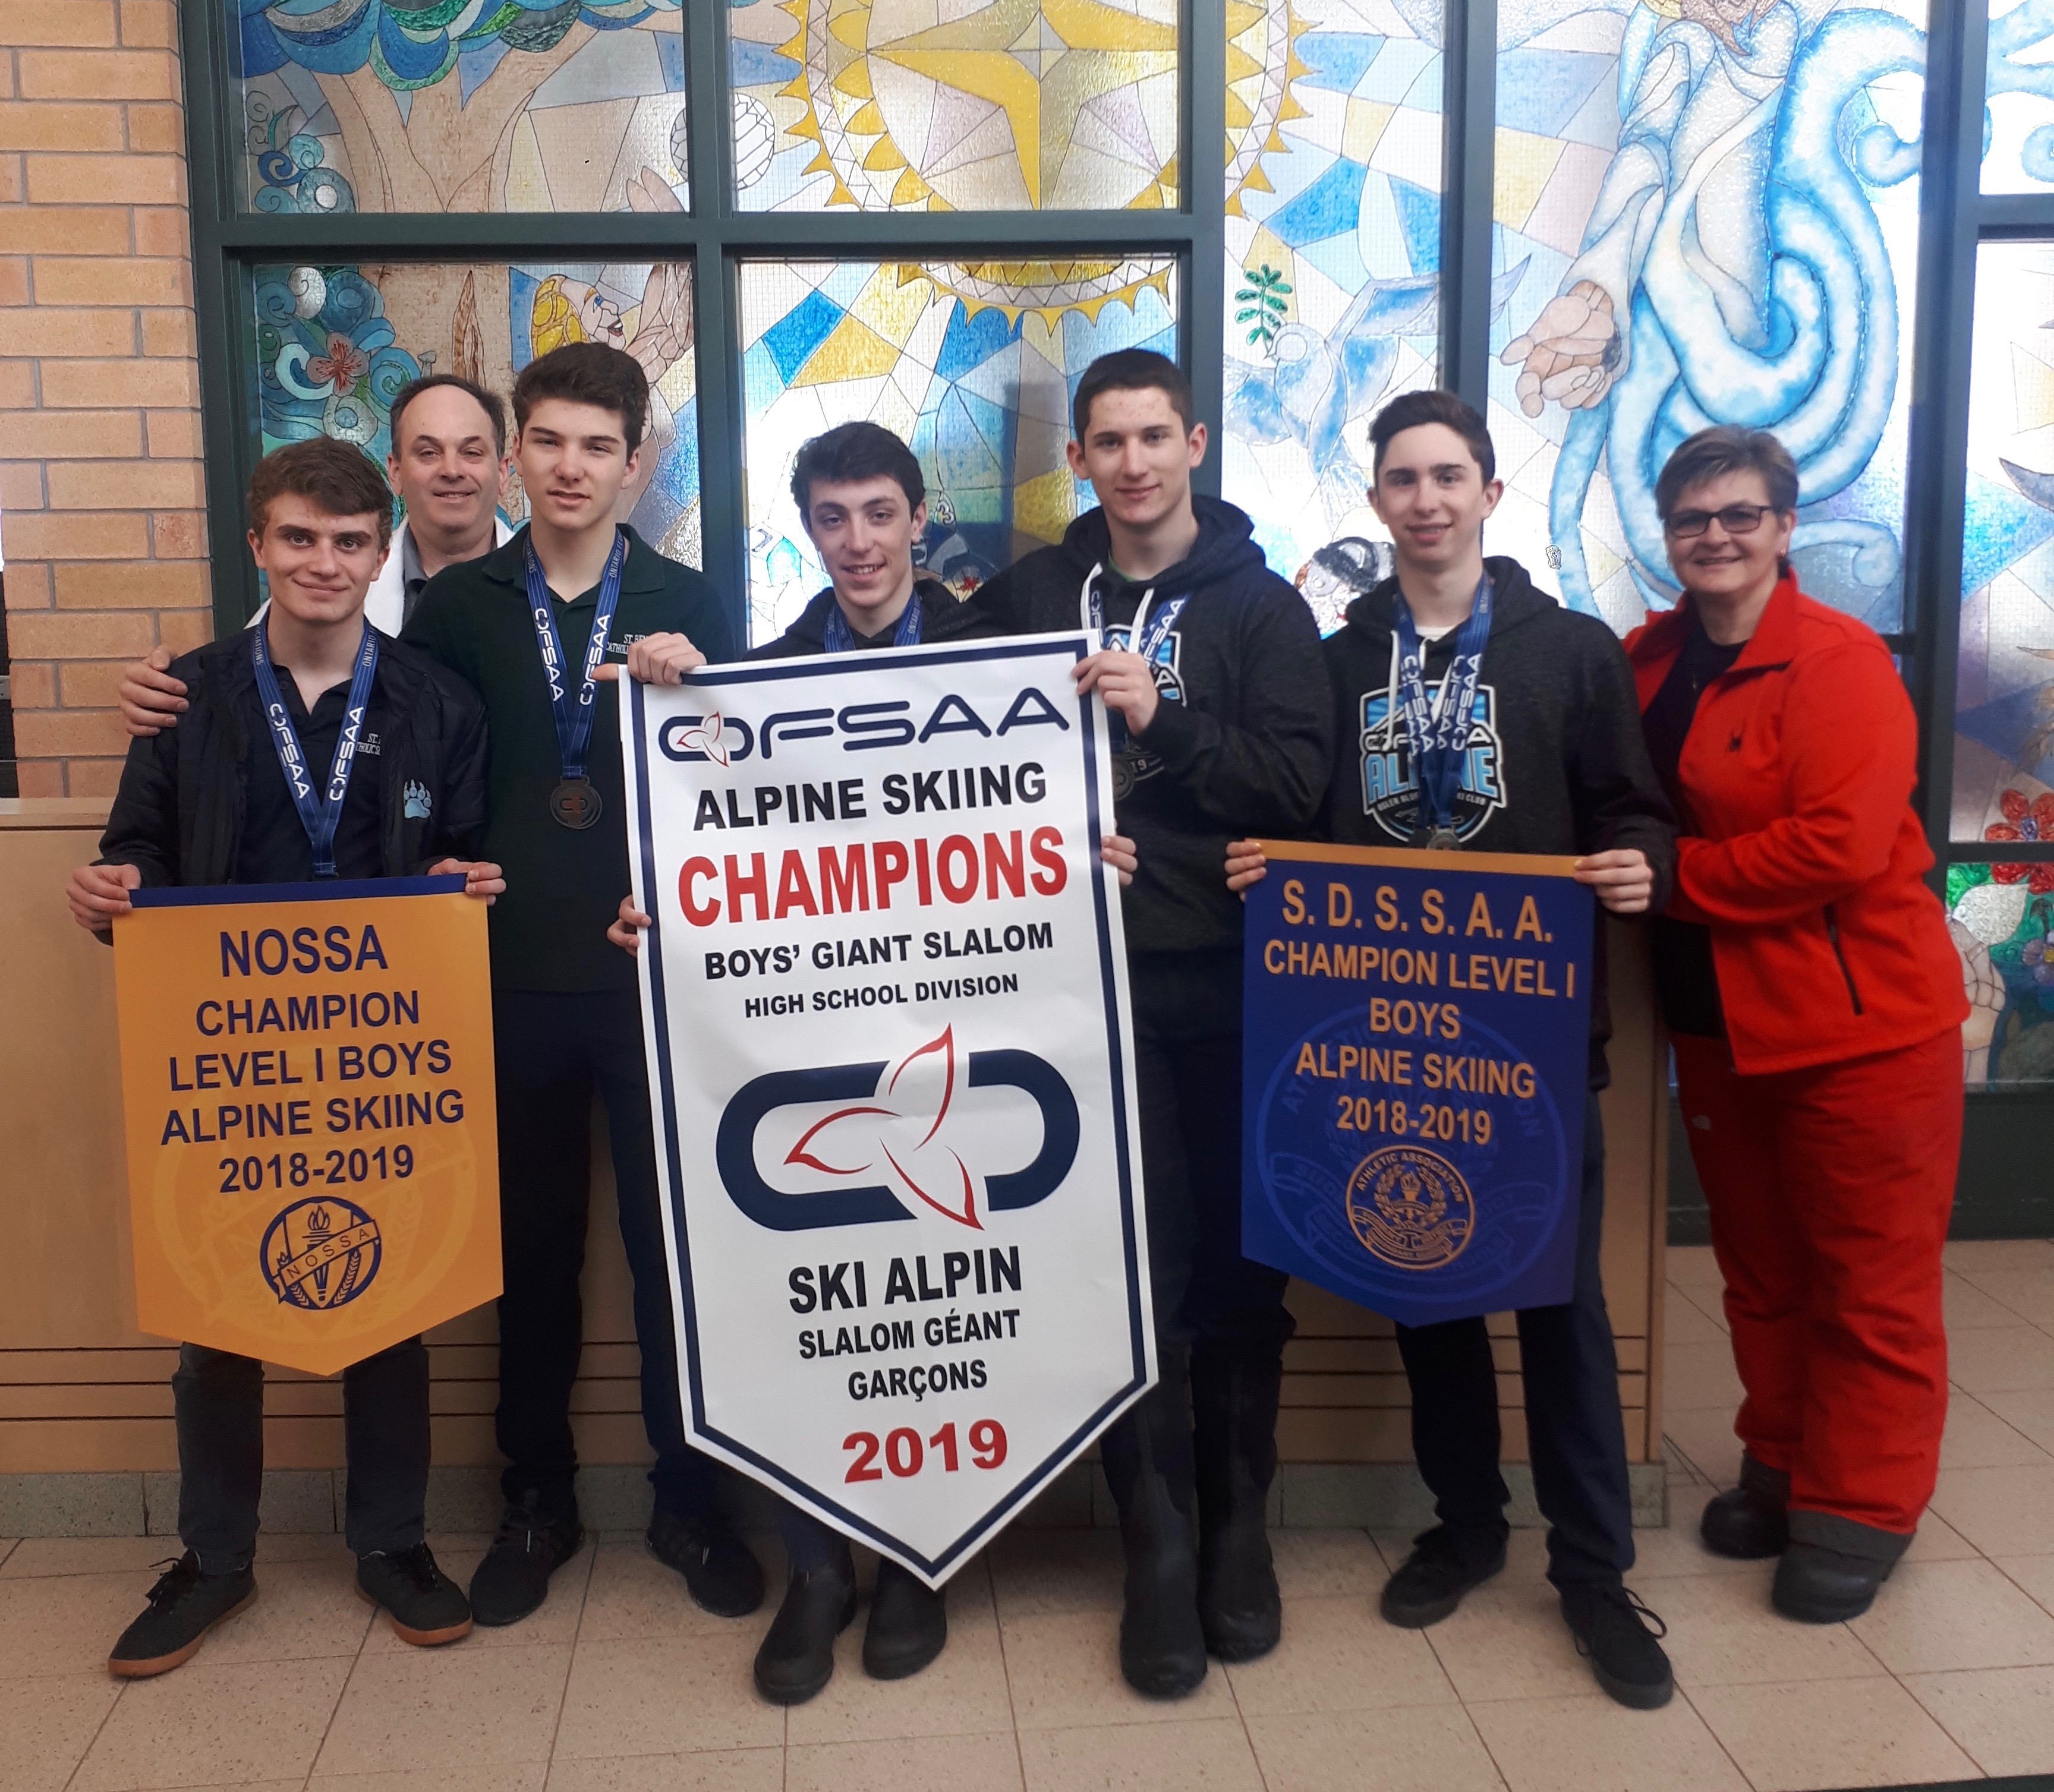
(892, 1066)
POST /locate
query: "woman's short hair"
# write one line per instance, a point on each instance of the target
(1728, 448)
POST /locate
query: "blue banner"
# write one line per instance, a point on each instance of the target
(1415, 1061)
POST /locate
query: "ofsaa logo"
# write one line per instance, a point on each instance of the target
(899, 1124)
(722, 739)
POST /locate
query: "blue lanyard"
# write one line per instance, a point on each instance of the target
(839, 638)
(1437, 740)
(320, 815)
(573, 719)
(1145, 634)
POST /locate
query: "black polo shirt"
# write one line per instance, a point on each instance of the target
(563, 886)
(274, 847)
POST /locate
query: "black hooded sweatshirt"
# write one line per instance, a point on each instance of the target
(808, 632)
(1242, 739)
(1557, 761)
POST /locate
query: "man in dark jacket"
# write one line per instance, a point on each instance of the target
(1552, 760)
(1223, 727)
(264, 782)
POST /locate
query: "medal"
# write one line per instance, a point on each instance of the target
(839, 638)
(1123, 776)
(574, 803)
(320, 816)
(1143, 636)
(1437, 736)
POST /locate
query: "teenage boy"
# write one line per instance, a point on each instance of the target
(531, 626)
(1548, 698)
(1223, 727)
(864, 501)
(222, 800)
(449, 467)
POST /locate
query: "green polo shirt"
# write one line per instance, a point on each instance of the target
(564, 885)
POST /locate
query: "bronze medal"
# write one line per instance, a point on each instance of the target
(575, 804)
(1123, 779)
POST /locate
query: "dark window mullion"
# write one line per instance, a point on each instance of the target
(1469, 124)
(1201, 187)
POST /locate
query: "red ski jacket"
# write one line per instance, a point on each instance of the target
(1801, 851)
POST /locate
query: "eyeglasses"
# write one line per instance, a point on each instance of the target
(1736, 519)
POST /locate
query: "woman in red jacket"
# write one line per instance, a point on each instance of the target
(1815, 1002)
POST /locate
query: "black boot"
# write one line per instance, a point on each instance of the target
(1148, 1459)
(1750, 1522)
(909, 1625)
(1233, 1435)
(796, 1658)
(1834, 1567)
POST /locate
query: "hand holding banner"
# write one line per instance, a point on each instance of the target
(1416, 1061)
(306, 1074)
(890, 1062)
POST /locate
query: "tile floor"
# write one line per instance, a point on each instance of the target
(619, 1682)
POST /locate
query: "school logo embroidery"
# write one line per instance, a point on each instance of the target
(369, 744)
(1390, 793)
(418, 801)
(1166, 663)
(321, 1253)
(1410, 1207)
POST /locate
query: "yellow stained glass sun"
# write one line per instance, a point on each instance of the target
(1261, 63)
(928, 105)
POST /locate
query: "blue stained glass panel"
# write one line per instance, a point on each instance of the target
(1741, 248)
(2018, 98)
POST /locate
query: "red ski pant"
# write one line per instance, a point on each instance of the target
(1829, 1189)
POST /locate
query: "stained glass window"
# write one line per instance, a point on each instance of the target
(1704, 214)
(467, 105)
(2018, 87)
(972, 363)
(953, 105)
(2004, 690)
(334, 344)
(2002, 919)
(1333, 237)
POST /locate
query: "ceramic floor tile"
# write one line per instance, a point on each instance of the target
(1326, 1564)
(508, 1776)
(2003, 1716)
(1722, 1631)
(1507, 1641)
(665, 1695)
(1969, 1307)
(1997, 1359)
(1698, 1376)
(1830, 1734)
(2032, 1574)
(1337, 1655)
(1063, 1670)
(45, 1725)
(1979, 1437)
(425, 1710)
(735, 1769)
(2028, 1293)
(989, 1762)
(1999, 1511)
(1693, 1267)
(1972, 1256)
(1684, 1322)
(1938, 1541)
(1706, 1436)
(1931, 1616)
(1192, 1755)
(631, 1593)
(2029, 1411)
(1679, 1550)
(240, 1721)
(554, 1625)
(1042, 1571)
(34, 1556)
(1593, 1745)
(66, 1623)
(1428, 1748)
(305, 1609)
(962, 1692)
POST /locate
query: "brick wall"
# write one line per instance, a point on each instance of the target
(100, 516)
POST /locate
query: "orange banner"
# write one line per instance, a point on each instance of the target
(306, 1074)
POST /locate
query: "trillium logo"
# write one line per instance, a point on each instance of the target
(712, 737)
(901, 1125)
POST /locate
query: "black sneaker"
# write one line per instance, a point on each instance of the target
(909, 1625)
(796, 1658)
(1444, 1565)
(721, 1572)
(1621, 1638)
(513, 1579)
(426, 1608)
(184, 1605)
